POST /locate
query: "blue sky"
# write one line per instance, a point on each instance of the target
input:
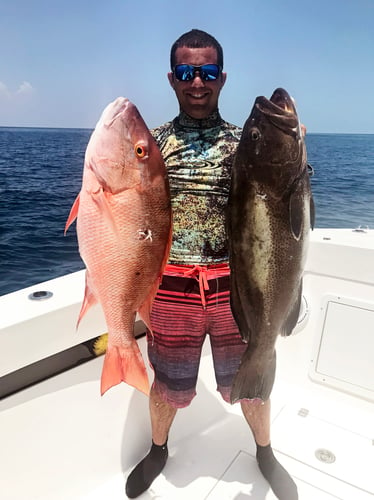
(61, 62)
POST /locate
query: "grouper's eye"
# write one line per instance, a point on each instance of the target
(140, 150)
(254, 134)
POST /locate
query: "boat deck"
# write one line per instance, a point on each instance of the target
(60, 440)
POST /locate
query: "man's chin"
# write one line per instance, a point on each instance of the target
(198, 109)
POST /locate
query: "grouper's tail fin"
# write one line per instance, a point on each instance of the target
(124, 364)
(254, 379)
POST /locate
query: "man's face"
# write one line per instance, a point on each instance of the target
(197, 98)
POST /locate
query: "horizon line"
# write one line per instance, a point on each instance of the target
(44, 127)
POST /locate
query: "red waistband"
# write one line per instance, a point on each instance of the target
(202, 273)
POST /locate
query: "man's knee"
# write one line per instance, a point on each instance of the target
(161, 394)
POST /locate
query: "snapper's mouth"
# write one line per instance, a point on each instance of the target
(118, 107)
(115, 110)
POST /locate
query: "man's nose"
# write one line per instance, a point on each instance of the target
(197, 81)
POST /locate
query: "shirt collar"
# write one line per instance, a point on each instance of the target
(186, 121)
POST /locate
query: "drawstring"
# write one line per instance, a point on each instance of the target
(201, 273)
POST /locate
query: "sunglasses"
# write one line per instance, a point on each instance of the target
(186, 72)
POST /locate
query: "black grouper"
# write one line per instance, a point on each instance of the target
(270, 213)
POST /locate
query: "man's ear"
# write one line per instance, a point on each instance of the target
(171, 79)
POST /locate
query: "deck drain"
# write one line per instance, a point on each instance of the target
(325, 456)
(40, 295)
(303, 412)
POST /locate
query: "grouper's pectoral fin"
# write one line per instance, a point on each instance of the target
(300, 202)
(293, 315)
(124, 364)
(238, 310)
(312, 212)
(255, 377)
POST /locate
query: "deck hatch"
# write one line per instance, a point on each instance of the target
(344, 349)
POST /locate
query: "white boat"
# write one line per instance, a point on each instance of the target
(60, 440)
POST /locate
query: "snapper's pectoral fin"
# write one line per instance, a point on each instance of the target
(146, 307)
(124, 364)
(167, 248)
(89, 299)
(291, 320)
(101, 198)
(73, 214)
(145, 312)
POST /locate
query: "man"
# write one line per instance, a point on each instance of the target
(198, 148)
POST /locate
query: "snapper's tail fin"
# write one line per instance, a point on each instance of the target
(124, 364)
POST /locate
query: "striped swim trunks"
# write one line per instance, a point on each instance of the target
(192, 302)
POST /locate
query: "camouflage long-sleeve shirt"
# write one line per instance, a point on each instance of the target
(198, 155)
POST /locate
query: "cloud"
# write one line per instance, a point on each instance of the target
(25, 88)
(4, 92)
(17, 104)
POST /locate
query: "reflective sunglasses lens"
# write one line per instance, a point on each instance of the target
(184, 72)
(209, 72)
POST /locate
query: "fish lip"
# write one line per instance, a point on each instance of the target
(282, 99)
(119, 107)
(280, 104)
(281, 113)
(268, 107)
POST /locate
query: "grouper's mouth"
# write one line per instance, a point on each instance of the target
(280, 104)
(280, 110)
(282, 99)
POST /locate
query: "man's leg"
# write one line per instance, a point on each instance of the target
(162, 416)
(227, 350)
(174, 351)
(257, 414)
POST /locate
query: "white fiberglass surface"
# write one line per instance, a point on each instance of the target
(62, 441)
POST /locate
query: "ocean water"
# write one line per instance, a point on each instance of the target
(41, 172)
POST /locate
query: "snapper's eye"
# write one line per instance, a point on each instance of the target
(140, 150)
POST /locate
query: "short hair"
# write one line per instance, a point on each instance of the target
(196, 39)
